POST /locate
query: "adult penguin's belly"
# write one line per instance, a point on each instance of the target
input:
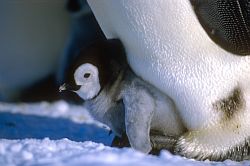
(167, 47)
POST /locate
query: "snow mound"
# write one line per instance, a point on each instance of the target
(65, 152)
(58, 109)
(24, 128)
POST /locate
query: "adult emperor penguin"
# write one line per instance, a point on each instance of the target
(209, 83)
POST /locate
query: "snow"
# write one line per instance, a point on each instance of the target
(58, 109)
(59, 133)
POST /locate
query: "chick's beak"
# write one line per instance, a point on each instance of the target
(68, 87)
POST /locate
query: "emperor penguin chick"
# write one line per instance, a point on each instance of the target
(115, 96)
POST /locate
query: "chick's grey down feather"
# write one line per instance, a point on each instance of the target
(133, 106)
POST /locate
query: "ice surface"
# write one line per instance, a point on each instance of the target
(59, 109)
(65, 152)
(23, 128)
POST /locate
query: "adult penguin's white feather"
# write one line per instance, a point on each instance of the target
(167, 46)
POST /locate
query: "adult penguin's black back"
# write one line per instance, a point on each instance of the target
(227, 22)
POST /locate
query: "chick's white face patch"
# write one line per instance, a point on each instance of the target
(87, 76)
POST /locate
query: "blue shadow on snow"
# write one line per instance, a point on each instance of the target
(19, 126)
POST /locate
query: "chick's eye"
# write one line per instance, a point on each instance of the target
(86, 75)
